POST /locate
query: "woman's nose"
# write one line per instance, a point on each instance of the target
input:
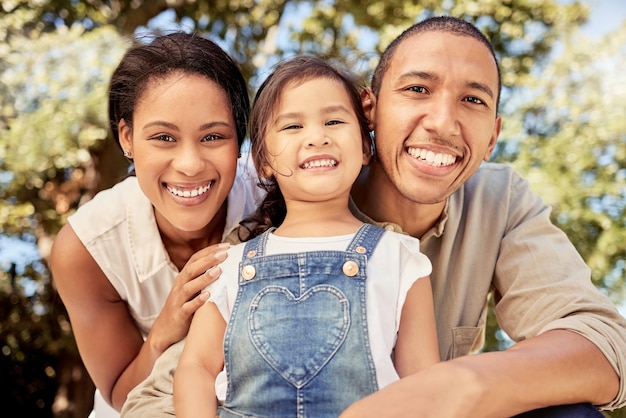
(188, 160)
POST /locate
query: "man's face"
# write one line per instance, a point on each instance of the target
(435, 115)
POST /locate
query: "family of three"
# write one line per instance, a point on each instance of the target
(364, 263)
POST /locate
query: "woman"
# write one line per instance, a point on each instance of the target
(130, 264)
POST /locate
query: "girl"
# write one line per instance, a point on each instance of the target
(317, 303)
(130, 264)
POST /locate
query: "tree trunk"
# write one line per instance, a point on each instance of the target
(74, 398)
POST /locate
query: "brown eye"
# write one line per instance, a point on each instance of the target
(211, 137)
(475, 100)
(165, 138)
(418, 89)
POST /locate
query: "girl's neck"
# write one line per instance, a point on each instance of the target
(318, 219)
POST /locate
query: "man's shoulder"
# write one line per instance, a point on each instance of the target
(497, 170)
(492, 189)
(492, 178)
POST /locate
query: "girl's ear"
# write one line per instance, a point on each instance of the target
(266, 172)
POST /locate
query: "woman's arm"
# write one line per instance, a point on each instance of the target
(200, 362)
(108, 339)
(105, 333)
(416, 347)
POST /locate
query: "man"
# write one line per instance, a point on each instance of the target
(433, 109)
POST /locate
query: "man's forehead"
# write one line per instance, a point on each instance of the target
(441, 41)
(436, 48)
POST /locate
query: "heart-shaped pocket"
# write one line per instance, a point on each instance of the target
(298, 336)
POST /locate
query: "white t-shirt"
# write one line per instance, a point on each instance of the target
(393, 268)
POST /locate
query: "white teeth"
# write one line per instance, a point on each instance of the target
(188, 193)
(320, 163)
(429, 157)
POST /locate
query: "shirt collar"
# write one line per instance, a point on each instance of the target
(146, 246)
(436, 230)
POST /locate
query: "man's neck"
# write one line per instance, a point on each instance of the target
(376, 196)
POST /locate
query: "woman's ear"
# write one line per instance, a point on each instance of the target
(125, 134)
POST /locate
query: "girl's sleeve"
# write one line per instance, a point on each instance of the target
(414, 265)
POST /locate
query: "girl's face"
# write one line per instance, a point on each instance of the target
(184, 146)
(314, 142)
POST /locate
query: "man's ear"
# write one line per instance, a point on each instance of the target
(368, 102)
(494, 138)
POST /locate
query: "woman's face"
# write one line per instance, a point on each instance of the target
(184, 146)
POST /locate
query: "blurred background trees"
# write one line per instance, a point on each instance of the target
(563, 107)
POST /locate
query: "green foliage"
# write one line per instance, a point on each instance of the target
(53, 126)
(572, 148)
(34, 335)
(55, 120)
(566, 132)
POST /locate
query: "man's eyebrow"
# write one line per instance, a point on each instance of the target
(418, 74)
(425, 75)
(482, 87)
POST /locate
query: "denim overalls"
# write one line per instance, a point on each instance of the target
(297, 342)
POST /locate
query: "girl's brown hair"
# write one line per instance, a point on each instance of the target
(297, 70)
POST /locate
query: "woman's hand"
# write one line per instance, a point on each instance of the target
(186, 297)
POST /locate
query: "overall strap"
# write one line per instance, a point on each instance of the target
(256, 246)
(366, 239)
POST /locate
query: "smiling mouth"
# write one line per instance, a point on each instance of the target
(432, 158)
(190, 192)
(327, 162)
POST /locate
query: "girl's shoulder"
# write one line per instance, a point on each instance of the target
(404, 250)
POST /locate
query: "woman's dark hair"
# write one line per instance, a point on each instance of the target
(166, 54)
(288, 73)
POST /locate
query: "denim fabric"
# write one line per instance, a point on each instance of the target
(581, 410)
(297, 342)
